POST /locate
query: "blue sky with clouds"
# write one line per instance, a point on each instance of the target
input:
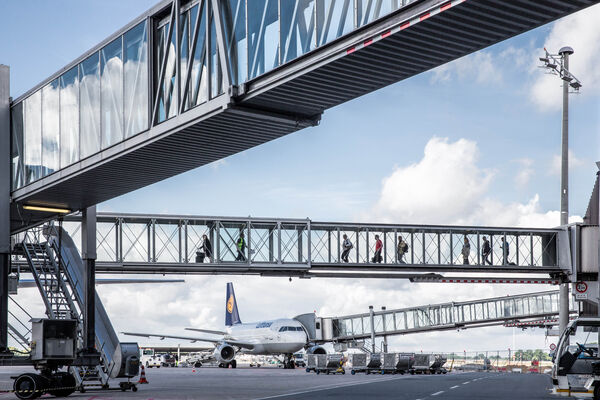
(366, 159)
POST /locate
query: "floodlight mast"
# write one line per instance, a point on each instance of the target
(558, 64)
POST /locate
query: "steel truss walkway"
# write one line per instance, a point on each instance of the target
(195, 81)
(446, 316)
(134, 243)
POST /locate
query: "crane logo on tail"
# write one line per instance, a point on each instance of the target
(232, 317)
(230, 304)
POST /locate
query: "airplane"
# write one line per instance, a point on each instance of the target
(273, 337)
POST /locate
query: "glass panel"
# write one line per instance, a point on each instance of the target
(17, 146)
(357, 326)
(187, 32)
(234, 15)
(370, 10)
(263, 34)
(197, 84)
(297, 28)
(33, 137)
(111, 73)
(216, 75)
(135, 97)
(69, 117)
(335, 18)
(167, 103)
(89, 103)
(50, 127)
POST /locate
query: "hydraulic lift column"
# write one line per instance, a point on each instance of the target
(4, 204)
(90, 355)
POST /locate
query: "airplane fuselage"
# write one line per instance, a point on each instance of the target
(279, 336)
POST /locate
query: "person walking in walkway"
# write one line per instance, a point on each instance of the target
(486, 250)
(207, 247)
(466, 251)
(346, 247)
(505, 251)
(402, 249)
(378, 248)
(241, 248)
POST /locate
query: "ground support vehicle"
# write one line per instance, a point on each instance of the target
(367, 363)
(576, 369)
(428, 364)
(325, 363)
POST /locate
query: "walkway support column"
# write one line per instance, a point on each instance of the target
(372, 316)
(563, 313)
(88, 254)
(4, 203)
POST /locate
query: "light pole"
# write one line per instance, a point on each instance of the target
(558, 64)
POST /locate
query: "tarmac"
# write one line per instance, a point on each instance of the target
(273, 383)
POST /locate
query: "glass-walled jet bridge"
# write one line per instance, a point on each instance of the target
(168, 244)
(191, 82)
(445, 316)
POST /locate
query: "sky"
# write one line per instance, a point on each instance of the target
(475, 141)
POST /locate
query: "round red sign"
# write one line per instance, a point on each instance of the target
(552, 346)
(581, 287)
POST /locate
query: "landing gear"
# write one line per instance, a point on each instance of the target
(288, 362)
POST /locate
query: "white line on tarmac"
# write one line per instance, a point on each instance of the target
(326, 388)
(436, 393)
(464, 383)
(454, 387)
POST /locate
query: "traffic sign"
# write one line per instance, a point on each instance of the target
(581, 287)
(552, 346)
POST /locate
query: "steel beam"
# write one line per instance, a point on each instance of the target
(88, 253)
(5, 182)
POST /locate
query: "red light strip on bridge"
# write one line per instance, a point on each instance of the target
(539, 322)
(513, 281)
(405, 24)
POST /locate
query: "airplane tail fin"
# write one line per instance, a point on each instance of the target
(232, 317)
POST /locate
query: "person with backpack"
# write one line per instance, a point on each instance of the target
(486, 250)
(466, 250)
(241, 248)
(378, 248)
(346, 247)
(402, 249)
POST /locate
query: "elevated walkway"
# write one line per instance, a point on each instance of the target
(188, 83)
(506, 310)
(135, 243)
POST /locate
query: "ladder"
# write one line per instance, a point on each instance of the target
(56, 287)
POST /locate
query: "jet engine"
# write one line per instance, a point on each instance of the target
(224, 353)
(316, 350)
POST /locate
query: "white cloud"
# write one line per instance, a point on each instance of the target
(525, 173)
(479, 66)
(574, 162)
(444, 186)
(447, 186)
(579, 31)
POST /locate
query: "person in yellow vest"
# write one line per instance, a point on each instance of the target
(241, 248)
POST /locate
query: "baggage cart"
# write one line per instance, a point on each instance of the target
(326, 363)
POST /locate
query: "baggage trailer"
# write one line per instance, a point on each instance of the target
(404, 362)
(327, 363)
(428, 364)
(388, 363)
(367, 363)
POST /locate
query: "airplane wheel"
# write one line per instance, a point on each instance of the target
(233, 364)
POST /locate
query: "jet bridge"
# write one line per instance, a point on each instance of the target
(439, 317)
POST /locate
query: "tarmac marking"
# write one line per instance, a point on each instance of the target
(437, 393)
(454, 387)
(464, 383)
(326, 388)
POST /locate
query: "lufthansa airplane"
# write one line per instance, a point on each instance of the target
(275, 337)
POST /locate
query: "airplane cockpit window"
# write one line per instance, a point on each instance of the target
(290, 329)
(148, 352)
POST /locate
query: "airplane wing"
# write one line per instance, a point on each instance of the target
(206, 331)
(28, 283)
(233, 342)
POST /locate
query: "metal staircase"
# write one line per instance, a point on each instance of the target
(57, 288)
